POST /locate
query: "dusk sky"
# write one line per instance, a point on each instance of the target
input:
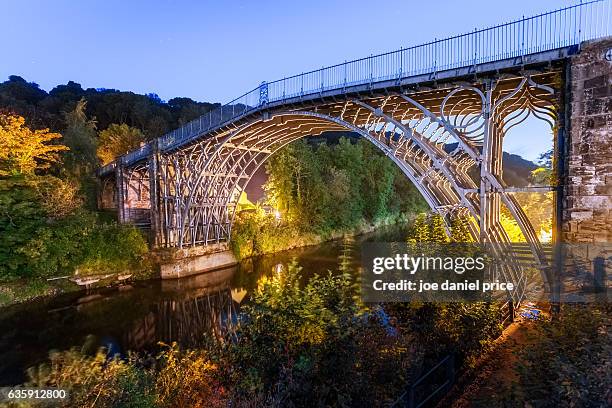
(215, 51)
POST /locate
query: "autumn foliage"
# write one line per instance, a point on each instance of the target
(45, 228)
(117, 140)
(22, 150)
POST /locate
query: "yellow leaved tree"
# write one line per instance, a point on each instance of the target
(117, 140)
(22, 150)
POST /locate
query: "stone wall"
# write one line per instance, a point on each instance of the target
(136, 200)
(587, 201)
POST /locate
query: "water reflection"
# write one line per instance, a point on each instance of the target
(187, 310)
(140, 315)
(131, 317)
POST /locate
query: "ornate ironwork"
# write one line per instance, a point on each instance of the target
(446, 139)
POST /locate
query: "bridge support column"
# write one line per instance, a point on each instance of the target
(120, 186)
(153, 168)
(485, 167)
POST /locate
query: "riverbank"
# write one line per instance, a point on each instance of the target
(26, 290)
(256, 235)
(290, 345)
(179, 309)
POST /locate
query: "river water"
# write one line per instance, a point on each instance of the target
(139, 315)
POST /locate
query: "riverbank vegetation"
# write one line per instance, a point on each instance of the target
(51, 143)
(552, 361)
(318, 190)
(312, 342)
(48, 224)
(568, 363)
(297, 344)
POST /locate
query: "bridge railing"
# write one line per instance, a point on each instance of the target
(547, 31)
(236, 108)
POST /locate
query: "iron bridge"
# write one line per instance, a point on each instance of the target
(467, 91)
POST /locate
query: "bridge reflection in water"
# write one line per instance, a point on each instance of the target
(138, 316)
(189, 310)
(134, 317)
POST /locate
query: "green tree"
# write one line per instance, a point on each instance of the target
(329, 185)
(379, 174)
(281, 181)
(80, 136)
(21, 216)
(81, 161)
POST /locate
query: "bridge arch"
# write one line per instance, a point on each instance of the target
(200, 181)
(235, 160)
(195, 185)
(386, 150)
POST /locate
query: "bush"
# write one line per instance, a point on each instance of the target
(95, 381)
(466, 329)
(81, 244)
(21, 216)
(188, 379)
(43, 233)
(255, 233)
(59, 198)
(310, 345)
(568, 364)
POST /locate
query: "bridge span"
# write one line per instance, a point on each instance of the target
(466, 91)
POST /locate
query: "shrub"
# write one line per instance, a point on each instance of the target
(59, 198)
(95, 381)
(310, 345)
(568, 364)
(188, 379)
(466, 329)
(43, 233)
(256, 233)
(21, 216)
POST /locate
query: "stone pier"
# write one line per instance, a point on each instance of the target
(587, 184)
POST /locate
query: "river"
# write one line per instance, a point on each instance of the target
(139, 315)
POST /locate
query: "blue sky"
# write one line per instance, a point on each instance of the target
(214, 51)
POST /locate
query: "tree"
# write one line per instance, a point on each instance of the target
(281, 184)
(377, 189)
(542, 176)
(80, 136)
(511, 227)
(420, 229)
(117, 140)
(437, 230)
(546, 159)
(459, 229)
(22, 151)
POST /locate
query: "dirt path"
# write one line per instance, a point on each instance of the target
(492, 382)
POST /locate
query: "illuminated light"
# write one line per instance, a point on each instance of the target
(277, 214)
(238, 295)
(278, 268)
(545, 236)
